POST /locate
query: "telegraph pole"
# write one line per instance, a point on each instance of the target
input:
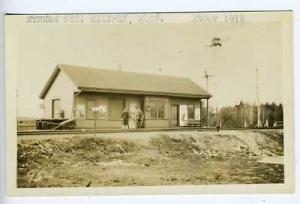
(258, 100)
(207, 76)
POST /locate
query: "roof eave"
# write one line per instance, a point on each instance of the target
(49, 82)
(140, 92)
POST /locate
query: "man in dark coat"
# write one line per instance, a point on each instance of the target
(125, 118)
(140, 119)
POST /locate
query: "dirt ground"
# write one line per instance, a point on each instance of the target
(150, 158)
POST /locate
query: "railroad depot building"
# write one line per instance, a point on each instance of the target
(90, 94)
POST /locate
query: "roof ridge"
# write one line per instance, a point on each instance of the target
(130, 72)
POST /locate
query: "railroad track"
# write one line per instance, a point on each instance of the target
(90, 131)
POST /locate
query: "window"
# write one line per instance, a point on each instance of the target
(80, 111)
(160, 111)
(115, 108)
(90, 114)
(100, 110)
(102, 113)
(155, 110)
(191, 111)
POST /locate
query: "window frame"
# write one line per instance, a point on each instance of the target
(155, 105)
(87, 110)
(106, 114)
(158, 111)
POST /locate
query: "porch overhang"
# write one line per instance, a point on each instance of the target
(141, 92)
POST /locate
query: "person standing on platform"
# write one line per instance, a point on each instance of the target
(125, 118)
(140, 118)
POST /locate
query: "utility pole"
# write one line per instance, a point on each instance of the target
(95, 110)
(258, 101)
(207, 76)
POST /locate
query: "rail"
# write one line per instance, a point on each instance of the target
(89, 131)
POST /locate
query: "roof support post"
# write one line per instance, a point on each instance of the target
(207, 112)
(201, 111)
(95, 123)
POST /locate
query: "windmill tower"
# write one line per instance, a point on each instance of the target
(215, 44)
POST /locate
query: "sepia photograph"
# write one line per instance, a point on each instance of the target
(150, 100)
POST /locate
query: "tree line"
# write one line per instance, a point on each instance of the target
(245, 115)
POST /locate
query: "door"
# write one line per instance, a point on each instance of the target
(174, 115)
(56, 108)
(183, 115)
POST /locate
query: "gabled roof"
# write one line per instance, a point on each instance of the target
(109, 81)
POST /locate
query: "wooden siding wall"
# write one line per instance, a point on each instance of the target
(102, 99)
(81, 99)
(62, 89)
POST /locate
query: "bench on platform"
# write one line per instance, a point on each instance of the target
(191, 122)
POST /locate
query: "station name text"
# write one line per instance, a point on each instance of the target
(135, 18)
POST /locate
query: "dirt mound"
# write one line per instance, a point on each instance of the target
(237, 144)
(106, 146)
(33, 154)
(149, 158)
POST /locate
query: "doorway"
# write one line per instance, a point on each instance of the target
(56, 108)
(174, 115)
(183, 115)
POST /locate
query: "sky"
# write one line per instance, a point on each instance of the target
(178, 49)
